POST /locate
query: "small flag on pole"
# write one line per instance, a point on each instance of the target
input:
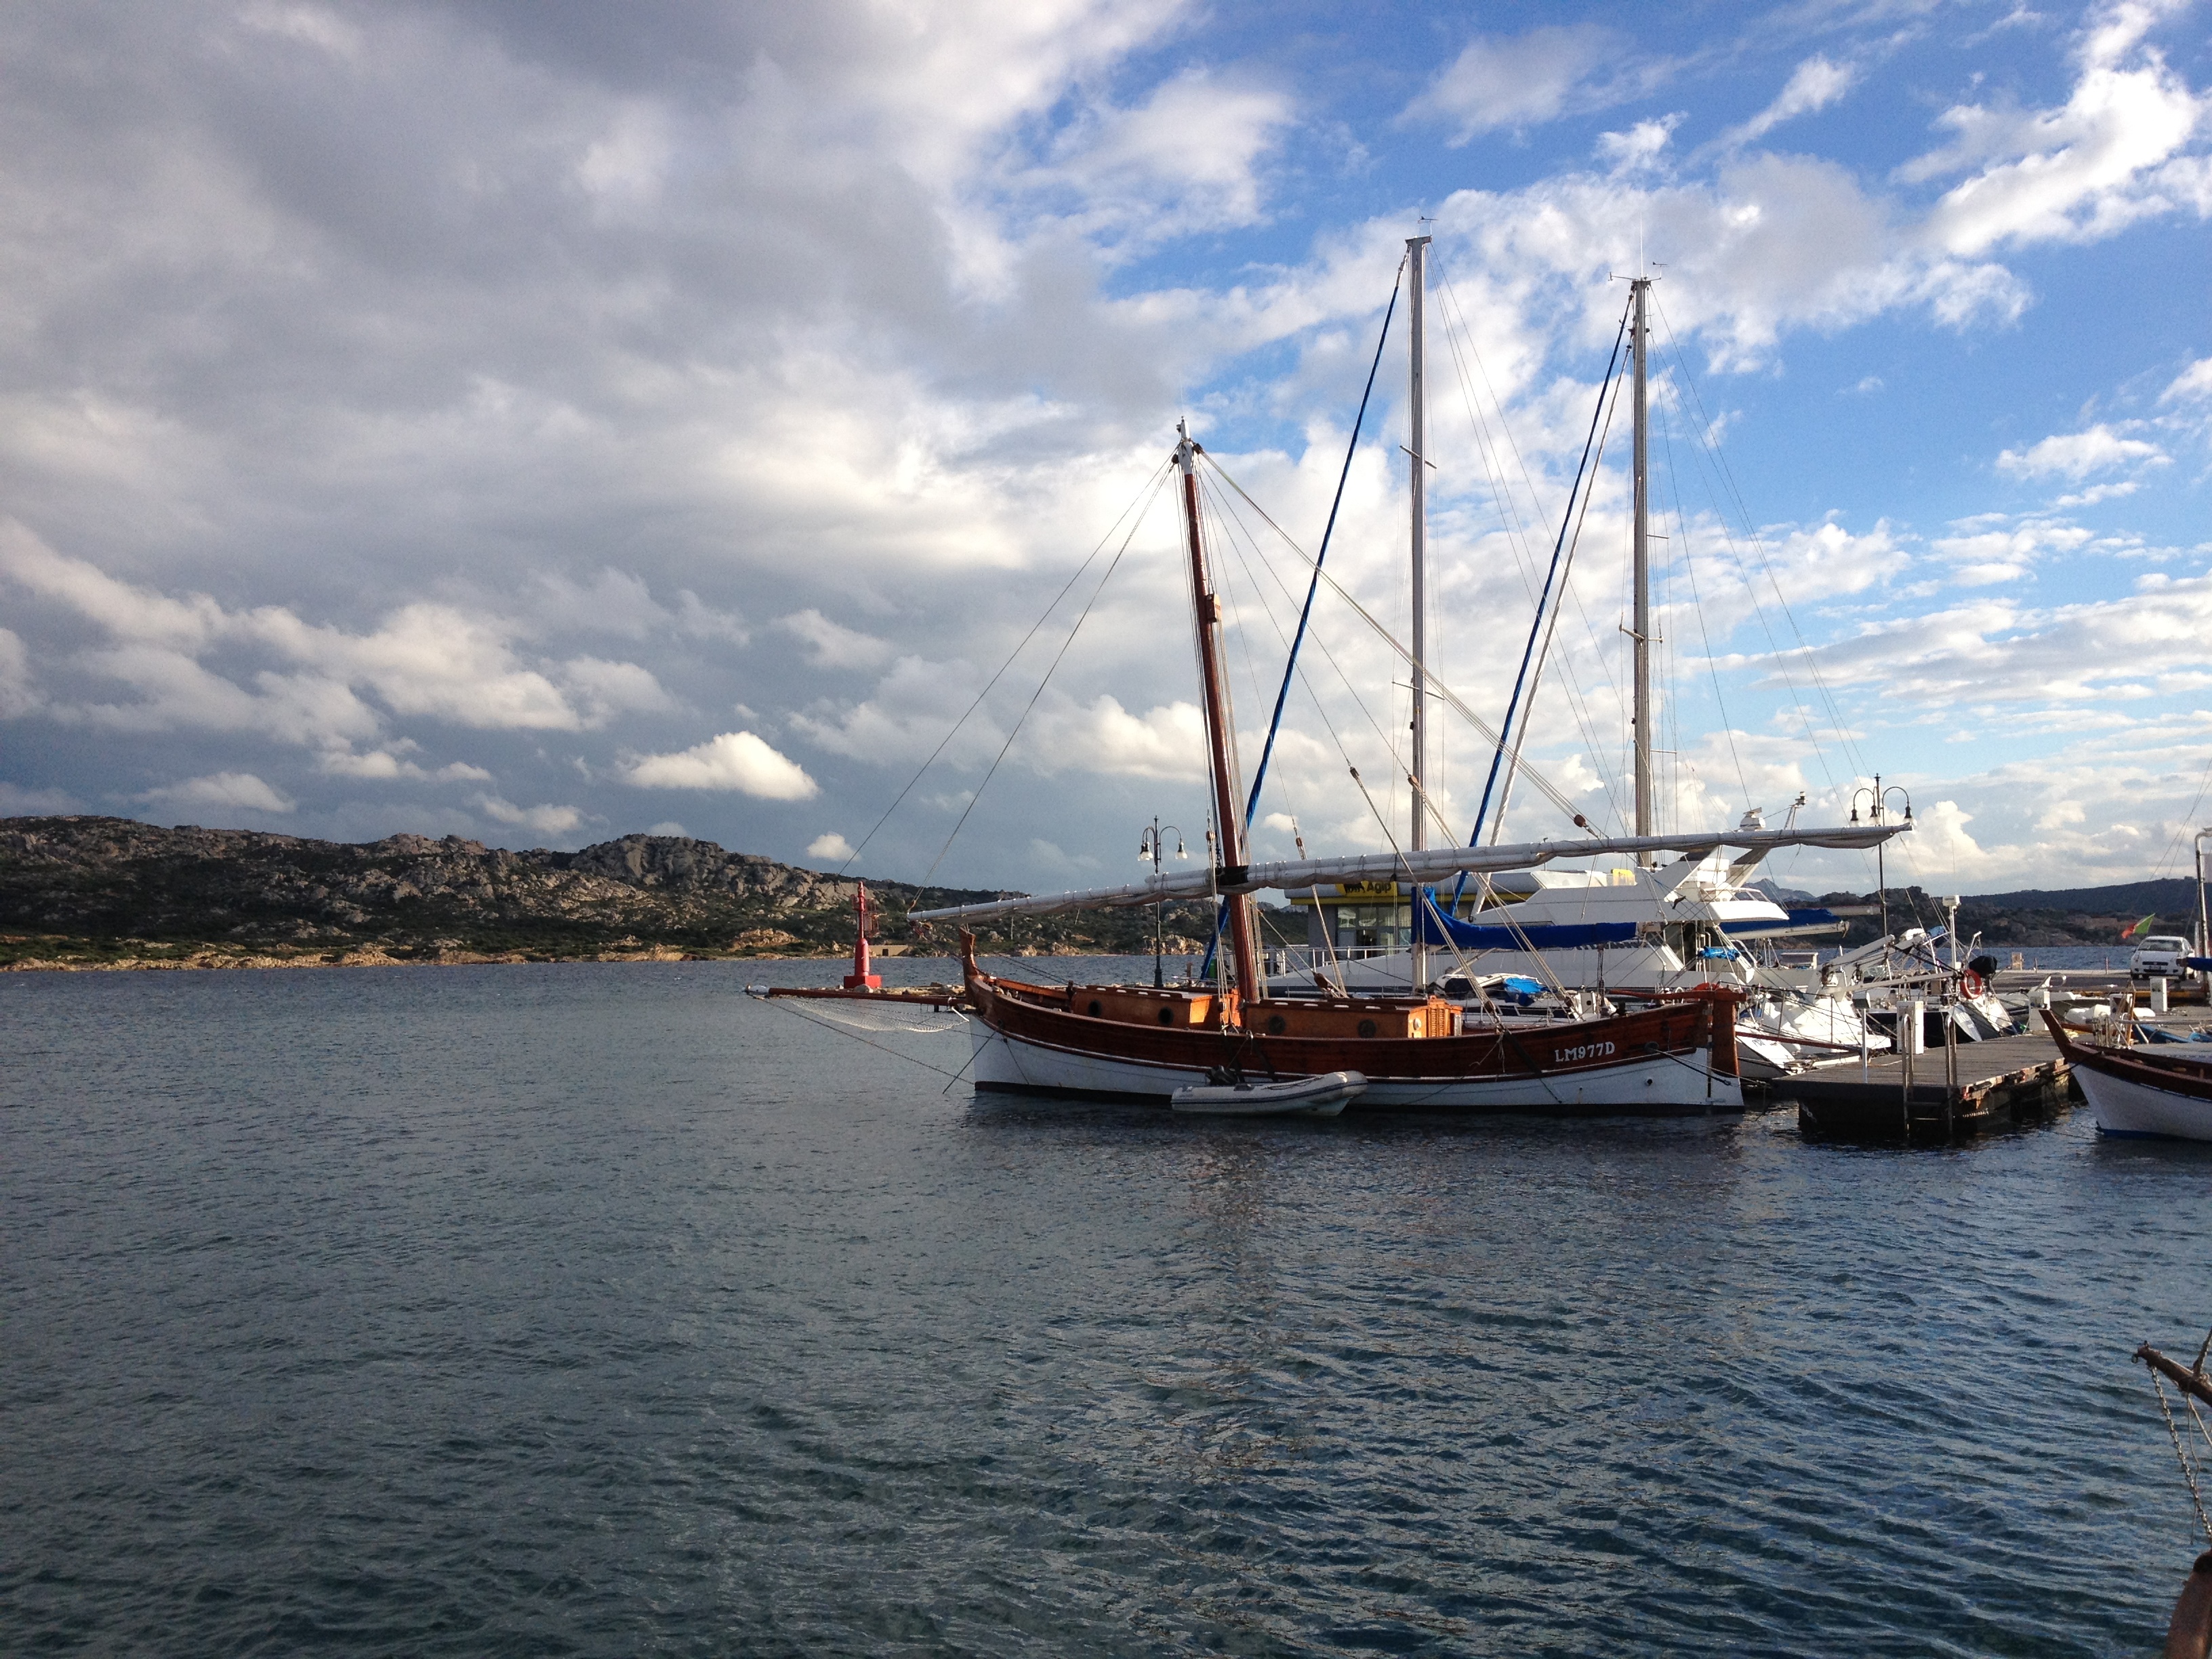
(2130, 932)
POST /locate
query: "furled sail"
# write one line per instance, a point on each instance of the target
(1431, 864)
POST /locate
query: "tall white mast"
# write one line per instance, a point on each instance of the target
(1416, 248)
(1640, 633)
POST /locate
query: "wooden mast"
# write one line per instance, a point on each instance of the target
(1220, 731)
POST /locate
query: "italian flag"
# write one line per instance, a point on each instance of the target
(2130, 932)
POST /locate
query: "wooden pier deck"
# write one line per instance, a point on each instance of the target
(2001, 1082)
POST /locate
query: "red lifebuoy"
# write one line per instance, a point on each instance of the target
(1972, 983)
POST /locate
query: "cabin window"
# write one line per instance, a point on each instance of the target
(1373, 926)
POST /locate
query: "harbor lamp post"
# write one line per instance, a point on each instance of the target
(2203, 932)
(1877, 810)
(1149, 846)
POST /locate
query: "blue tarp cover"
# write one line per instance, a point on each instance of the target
(1433, 926)
(1813, 918)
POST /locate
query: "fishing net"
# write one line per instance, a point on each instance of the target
(920, 1019)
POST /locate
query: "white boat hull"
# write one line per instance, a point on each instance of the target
(2125, 1107)
(1676, 1086)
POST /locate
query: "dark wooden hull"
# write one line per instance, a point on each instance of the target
(1674, 1059)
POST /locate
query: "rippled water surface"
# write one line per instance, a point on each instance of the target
(596, 1310)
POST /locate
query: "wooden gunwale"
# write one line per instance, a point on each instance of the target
(2174, 1076)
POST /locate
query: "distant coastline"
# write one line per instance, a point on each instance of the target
(92, 893)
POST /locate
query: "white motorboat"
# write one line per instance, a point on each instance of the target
(1303, 1096)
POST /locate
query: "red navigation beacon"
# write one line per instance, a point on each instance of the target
(860, 979)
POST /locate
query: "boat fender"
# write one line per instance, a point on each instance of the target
(1972, 984)
(2189, 1636)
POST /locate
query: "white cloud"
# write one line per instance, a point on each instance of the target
(2075, 455)
(737, 760)
(542, 820)
(392, 762)
(912, 709)
(1996, 651)
(604, 689)
(17, 695)
(832, 645)
(1518, 81)
(310, 25)
(2195, 382)
(224, 791)
(669, 827)
(1993, 550)
(697, 619)
(1168, 741)
(2110, 155)
(1641, 146)
(1186, 159)
(426, 659)
(16, 801)
(1816, 83)
(829, 846)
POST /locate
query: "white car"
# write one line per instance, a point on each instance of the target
(2158, 956)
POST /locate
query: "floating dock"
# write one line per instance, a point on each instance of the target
(1997, 1084)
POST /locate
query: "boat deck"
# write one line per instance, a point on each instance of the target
(2001, 1082)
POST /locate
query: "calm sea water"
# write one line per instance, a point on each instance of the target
(598, 1310)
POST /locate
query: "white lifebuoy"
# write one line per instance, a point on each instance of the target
(1972, 983)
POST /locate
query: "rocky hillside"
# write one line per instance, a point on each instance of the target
(92, 889)
(2080, 915)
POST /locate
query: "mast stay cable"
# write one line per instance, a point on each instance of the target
(1139, 504)
(1558, 549)
(1444, 694)
(1313, 587)
(1030, 707)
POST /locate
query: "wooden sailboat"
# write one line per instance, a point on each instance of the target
(1419, 1052)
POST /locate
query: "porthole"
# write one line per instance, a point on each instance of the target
(1277, 1025)
(1367, 1028)
(1167, 1016)
(1097, 1010)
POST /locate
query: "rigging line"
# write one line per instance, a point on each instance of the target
(1577, 701)
(1418, 895)
(1305, 615)
(1720, 463)
(1383, 735)
(1582, 614)
(1395, 851)
(1511, 521)
(1574, 700)
(1535, 499)
(1443, 692)
(1698, 603)
(1113, 565)
(1536, 622)
(1776, 654)
(1210, 500)
(791, 1006)
(2174, 847)
(1140, 504)
(1222, 514)
(2188, 1470)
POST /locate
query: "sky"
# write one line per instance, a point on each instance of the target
(538, 421)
